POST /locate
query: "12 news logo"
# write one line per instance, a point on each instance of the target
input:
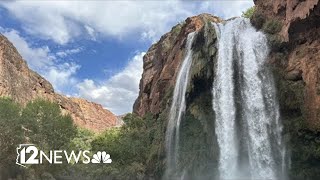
(28, 154)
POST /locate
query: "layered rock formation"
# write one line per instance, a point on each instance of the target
(161, 64)
(23, 85)
(295, 44)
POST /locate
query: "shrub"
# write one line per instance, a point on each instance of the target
(272, 26)
(249, 12)
(257, 19)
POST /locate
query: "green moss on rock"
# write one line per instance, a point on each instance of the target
(204, 55)
(272, 26)
(257, 19)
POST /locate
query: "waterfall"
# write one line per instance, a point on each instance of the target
(248, 126)
(177, 109)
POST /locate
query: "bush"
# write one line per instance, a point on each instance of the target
(272, 26)
(257, 19)
(249, 12)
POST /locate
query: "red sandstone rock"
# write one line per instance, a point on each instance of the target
(23, 85)
(301, 31)
(161, 62)
(287, 11)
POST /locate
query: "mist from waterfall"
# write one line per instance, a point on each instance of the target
(248, 127)
(178, 107)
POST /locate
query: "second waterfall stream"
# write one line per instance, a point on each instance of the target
(247, 126)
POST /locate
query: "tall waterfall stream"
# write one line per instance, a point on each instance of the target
(177, 108)
(247, 118)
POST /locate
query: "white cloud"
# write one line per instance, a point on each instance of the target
(42, 61)
(62, 21)
(68, 52)
(226, 9)
(36, 57)
(62, 76)
(119, 92)
(91, 32)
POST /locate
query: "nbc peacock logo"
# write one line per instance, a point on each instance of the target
(101, 157)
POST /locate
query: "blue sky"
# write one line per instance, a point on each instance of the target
(94, 49)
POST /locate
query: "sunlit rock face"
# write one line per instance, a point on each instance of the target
(161, 64)
(23, 85)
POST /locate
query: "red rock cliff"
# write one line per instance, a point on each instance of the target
(22, 84)
(161, 64)
(298, 55)
(288, 12)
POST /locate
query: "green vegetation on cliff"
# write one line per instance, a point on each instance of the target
(249, 12)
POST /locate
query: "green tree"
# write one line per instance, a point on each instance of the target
(47, 126)
(11, 135)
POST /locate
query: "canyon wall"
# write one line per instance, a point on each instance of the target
(22, 84)
(161, 64)
(293, 30)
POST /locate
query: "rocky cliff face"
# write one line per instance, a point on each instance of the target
(293, 32)
(161, 64)
(22, 84)
(289, 12)
(293, 27)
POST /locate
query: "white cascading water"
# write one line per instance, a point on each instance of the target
(223, 103)
(244, 93)
(177, 109)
